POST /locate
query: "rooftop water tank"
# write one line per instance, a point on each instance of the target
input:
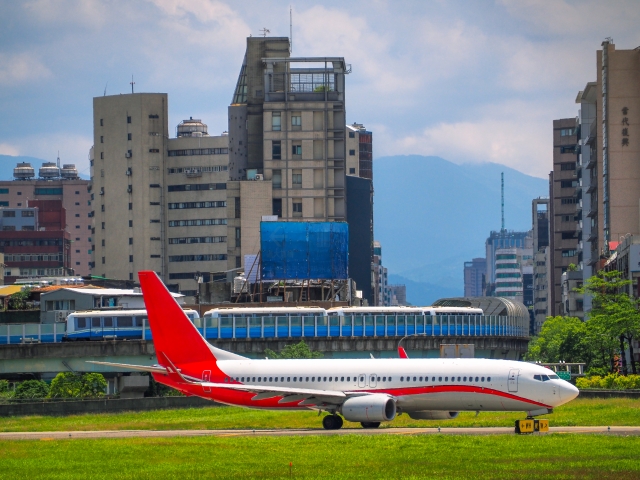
(187, 128)
(49, 170)
(24, 171)
(69, 172)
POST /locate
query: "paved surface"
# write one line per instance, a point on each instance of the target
(288, 433)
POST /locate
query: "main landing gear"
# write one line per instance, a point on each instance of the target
(370, 424)
(332, 422)
(531, 425)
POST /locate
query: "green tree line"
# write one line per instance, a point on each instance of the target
(599, 342)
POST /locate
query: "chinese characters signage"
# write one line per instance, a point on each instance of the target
(625, 127)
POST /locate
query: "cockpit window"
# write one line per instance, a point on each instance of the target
(554, 377)
(543, 378)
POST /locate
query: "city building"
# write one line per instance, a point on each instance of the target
(379, 274)
(397, 295)
(474, 277)
(52, 182)
(540, 230)
(563, 212)
(359, 151)
(572, 303)
(498, 240)
(511, 264)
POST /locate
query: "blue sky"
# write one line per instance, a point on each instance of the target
(470, 81)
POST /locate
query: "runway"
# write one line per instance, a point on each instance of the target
(308, 432)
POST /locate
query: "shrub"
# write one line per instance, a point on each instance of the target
(32, 389)
(613, 381)
(73, 385)
(4, 387)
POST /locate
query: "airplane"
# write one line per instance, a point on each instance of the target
(369, 391)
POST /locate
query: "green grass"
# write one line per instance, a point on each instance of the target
(353, 456)
(580, 412)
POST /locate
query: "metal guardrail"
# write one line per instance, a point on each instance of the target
(350, 326)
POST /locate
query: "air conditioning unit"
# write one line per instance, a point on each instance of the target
(259, 176)
(127, 155)
(128, 171)
(61, 315)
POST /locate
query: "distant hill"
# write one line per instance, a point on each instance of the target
(9, 162)
(431, 216)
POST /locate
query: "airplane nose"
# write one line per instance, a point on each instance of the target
(568, 392)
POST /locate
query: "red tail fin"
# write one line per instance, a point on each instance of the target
(402, 353)
(173, 333)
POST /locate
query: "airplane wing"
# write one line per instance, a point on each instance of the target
(139, 368)
(288, 393)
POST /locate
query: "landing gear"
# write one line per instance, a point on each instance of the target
(332, 422)
(531, 425)
(370, 424)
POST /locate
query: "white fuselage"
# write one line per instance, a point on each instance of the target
(417, 384)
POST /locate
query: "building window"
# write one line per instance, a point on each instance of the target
(296, 179)
(276, 150)
(103, 260)
(197, 222)
(131, 206)
(130, 223)
(48, 191)
(101, 155)
(128, 136)
(277, 207)
(569, 253)
(102, 225)
(198, 258)
(567, 132)
(154, 185)
(568, 166)
(568, 184)
(297, 208)
(130, 241)
(238, 262)
(4, 190)
(101, 122)
(195, 187)
(352, 152)
(130, 258)
(101, 139)
(130, 276)
(190, 240)
(568, 149)
(8, 213)
(128, 121)
(276, 179)
(5, 204)
(154, 150)
(183, 205)
(276, 121)
(352, 171)
(150, 221)
(568, 201)
(568, 235)
(238, 237)
(103, 242)
(236, 202)
(296, 121)
(296, 150)
(102, 208)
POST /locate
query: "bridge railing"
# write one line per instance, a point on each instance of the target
(302, 326)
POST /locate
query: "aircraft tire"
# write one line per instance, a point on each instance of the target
(370, 424)
(332, 422)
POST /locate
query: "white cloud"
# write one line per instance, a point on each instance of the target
(20, 68)
(83, 13)
(7, 149)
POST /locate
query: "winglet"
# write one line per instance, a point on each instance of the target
(402, 352)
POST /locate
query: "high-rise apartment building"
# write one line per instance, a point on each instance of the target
(498, 240)
(511, 265)
(540, 237)
(287, 123)
(474, 277)
(563, 211)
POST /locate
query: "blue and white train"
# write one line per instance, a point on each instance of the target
(118, 324)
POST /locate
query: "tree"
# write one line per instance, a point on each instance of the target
(31, 389)
(614, 311)
(299, 350)
(18, 301)
(74, 385)
(561, 339)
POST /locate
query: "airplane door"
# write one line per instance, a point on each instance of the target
(362, 380)
(513, 379)
(373, 380)
(206, 377)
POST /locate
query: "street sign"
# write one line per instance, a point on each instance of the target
(564, 375)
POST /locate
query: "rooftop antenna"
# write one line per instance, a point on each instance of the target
(58, 162)
(290, 30)
(132, 83)
(264, 32)
(502, 198)
(105, 89)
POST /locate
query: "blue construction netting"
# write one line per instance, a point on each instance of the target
(304, 250)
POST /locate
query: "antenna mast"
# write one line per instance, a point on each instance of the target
(58, 162)
(132, 83)
(290, 30)
(502, 198)
(264, 32)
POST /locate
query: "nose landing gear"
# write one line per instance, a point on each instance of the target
(531, 425)
(332, 422)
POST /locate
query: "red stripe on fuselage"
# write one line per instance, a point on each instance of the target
(243, 399)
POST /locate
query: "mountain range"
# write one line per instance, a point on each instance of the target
(432, 215)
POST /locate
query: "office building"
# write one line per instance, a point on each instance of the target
(499, 240)
(474, 277)
(359, 151)
(540, 237)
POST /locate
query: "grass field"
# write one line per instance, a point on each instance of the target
(580, 412)
(353, 456)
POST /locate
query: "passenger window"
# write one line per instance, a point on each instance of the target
(81, 323)
(476, 379)
(390, 378)
(458, 378)
(313, 379)
(108, 321)
(402, 379)
(439, 379)
(282, 379)
(307, 379)
(242, 379)
(275, 379)
(270, 379)
(348, 379)
(294, 378)
(325, 379)
(414, 379)
(464, 379)
(446, 379)
(95, 322)
(259, 379)
(488, 379)
(342, 379)
(482, 379)
(433, 379)
(125, 322)
(254, 379)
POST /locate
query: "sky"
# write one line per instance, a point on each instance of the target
(469, 81)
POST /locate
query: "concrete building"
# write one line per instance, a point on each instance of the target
(379, 273)
(511, 264)
(498, 240)
(474, 277)
(563, 181)
(397, 295)
(572, 303)
(359, 151)
(540, 236)
(51, 182)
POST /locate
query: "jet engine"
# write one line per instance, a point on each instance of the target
(433, 415)
(369, 408)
